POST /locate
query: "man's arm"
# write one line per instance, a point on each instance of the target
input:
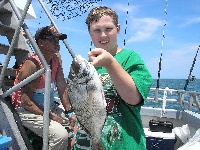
(63, 91)
(28, 68)
(62, 85)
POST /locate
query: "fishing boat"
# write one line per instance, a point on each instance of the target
(164, 128)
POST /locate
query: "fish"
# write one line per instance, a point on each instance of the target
(87, 98)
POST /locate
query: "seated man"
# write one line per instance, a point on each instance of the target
(29, 100)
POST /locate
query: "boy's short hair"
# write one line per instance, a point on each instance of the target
(97, 12)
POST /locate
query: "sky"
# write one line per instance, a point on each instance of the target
(154, 27)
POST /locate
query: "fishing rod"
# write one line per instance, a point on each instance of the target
(56, 27)
(66, 11)
(163, 37)
(188, 79)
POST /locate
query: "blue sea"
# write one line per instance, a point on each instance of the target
(176, 84)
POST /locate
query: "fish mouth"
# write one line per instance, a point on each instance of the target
(74, 69)
(81, 70)
(76, 66)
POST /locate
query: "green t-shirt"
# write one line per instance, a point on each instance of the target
(123, 127)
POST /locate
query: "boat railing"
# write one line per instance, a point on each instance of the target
(186, 99)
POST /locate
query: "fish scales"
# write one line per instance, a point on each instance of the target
(87, 98)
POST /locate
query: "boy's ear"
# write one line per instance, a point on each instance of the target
(118, 28)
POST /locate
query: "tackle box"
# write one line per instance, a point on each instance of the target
(160, 126)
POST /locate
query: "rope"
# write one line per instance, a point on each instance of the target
(163, 37)
(126, 24)
(188, 79)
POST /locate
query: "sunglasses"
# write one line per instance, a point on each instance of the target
(53, 39)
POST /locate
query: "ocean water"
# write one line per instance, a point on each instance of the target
(176, 84)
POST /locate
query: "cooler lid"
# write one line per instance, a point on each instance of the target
(163, 135)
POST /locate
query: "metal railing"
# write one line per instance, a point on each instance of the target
(46, 68)
(185, 99)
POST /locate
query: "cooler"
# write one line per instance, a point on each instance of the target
(159, 140)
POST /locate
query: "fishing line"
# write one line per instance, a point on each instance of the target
(188, 79)
(163, 37)
(90, 45)
(40, 18)
(126, 24)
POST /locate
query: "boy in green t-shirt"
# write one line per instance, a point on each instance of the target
(126, 82)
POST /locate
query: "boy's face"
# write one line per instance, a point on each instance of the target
(104, 34)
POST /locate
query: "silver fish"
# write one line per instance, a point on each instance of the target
(87, 98)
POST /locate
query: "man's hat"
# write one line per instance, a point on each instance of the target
(47, 32)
